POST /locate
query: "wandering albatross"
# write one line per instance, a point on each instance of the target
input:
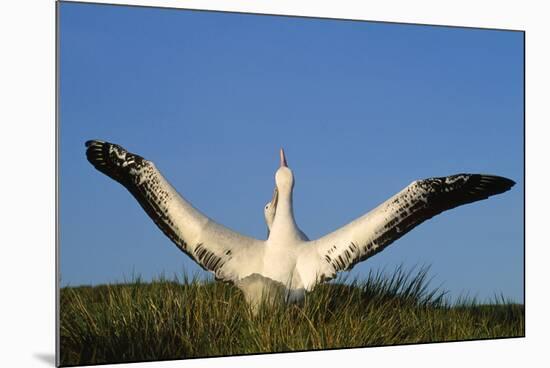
(287, 260)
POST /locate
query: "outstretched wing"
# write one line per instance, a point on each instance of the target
(418, 202)
(214, 247)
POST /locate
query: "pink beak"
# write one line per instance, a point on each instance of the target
(283, 158)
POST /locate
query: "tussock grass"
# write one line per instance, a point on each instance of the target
(173, 319)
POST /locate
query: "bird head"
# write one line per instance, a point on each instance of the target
(269, 210)
(284, 178)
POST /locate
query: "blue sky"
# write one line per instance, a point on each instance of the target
(361, 108)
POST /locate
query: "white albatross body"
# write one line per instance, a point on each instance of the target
(287, 261)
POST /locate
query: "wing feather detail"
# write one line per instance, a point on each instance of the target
(418, 202)
(214, 247)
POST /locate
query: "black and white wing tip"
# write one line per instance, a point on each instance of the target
(97, 153)
(111, 159)
(494, 184)
(466, 188)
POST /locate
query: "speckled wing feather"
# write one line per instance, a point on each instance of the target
(418, 202)
(214, 247)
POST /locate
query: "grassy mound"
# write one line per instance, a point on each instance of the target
(194, 318)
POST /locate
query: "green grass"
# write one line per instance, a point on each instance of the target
(192, 318)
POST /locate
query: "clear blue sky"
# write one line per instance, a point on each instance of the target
(361, 108)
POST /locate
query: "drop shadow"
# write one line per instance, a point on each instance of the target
(46, 358)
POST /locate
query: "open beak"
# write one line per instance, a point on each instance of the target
(283, 158)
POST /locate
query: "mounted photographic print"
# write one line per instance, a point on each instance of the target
(235, 183)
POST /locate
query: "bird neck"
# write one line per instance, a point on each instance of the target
(284, 225)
